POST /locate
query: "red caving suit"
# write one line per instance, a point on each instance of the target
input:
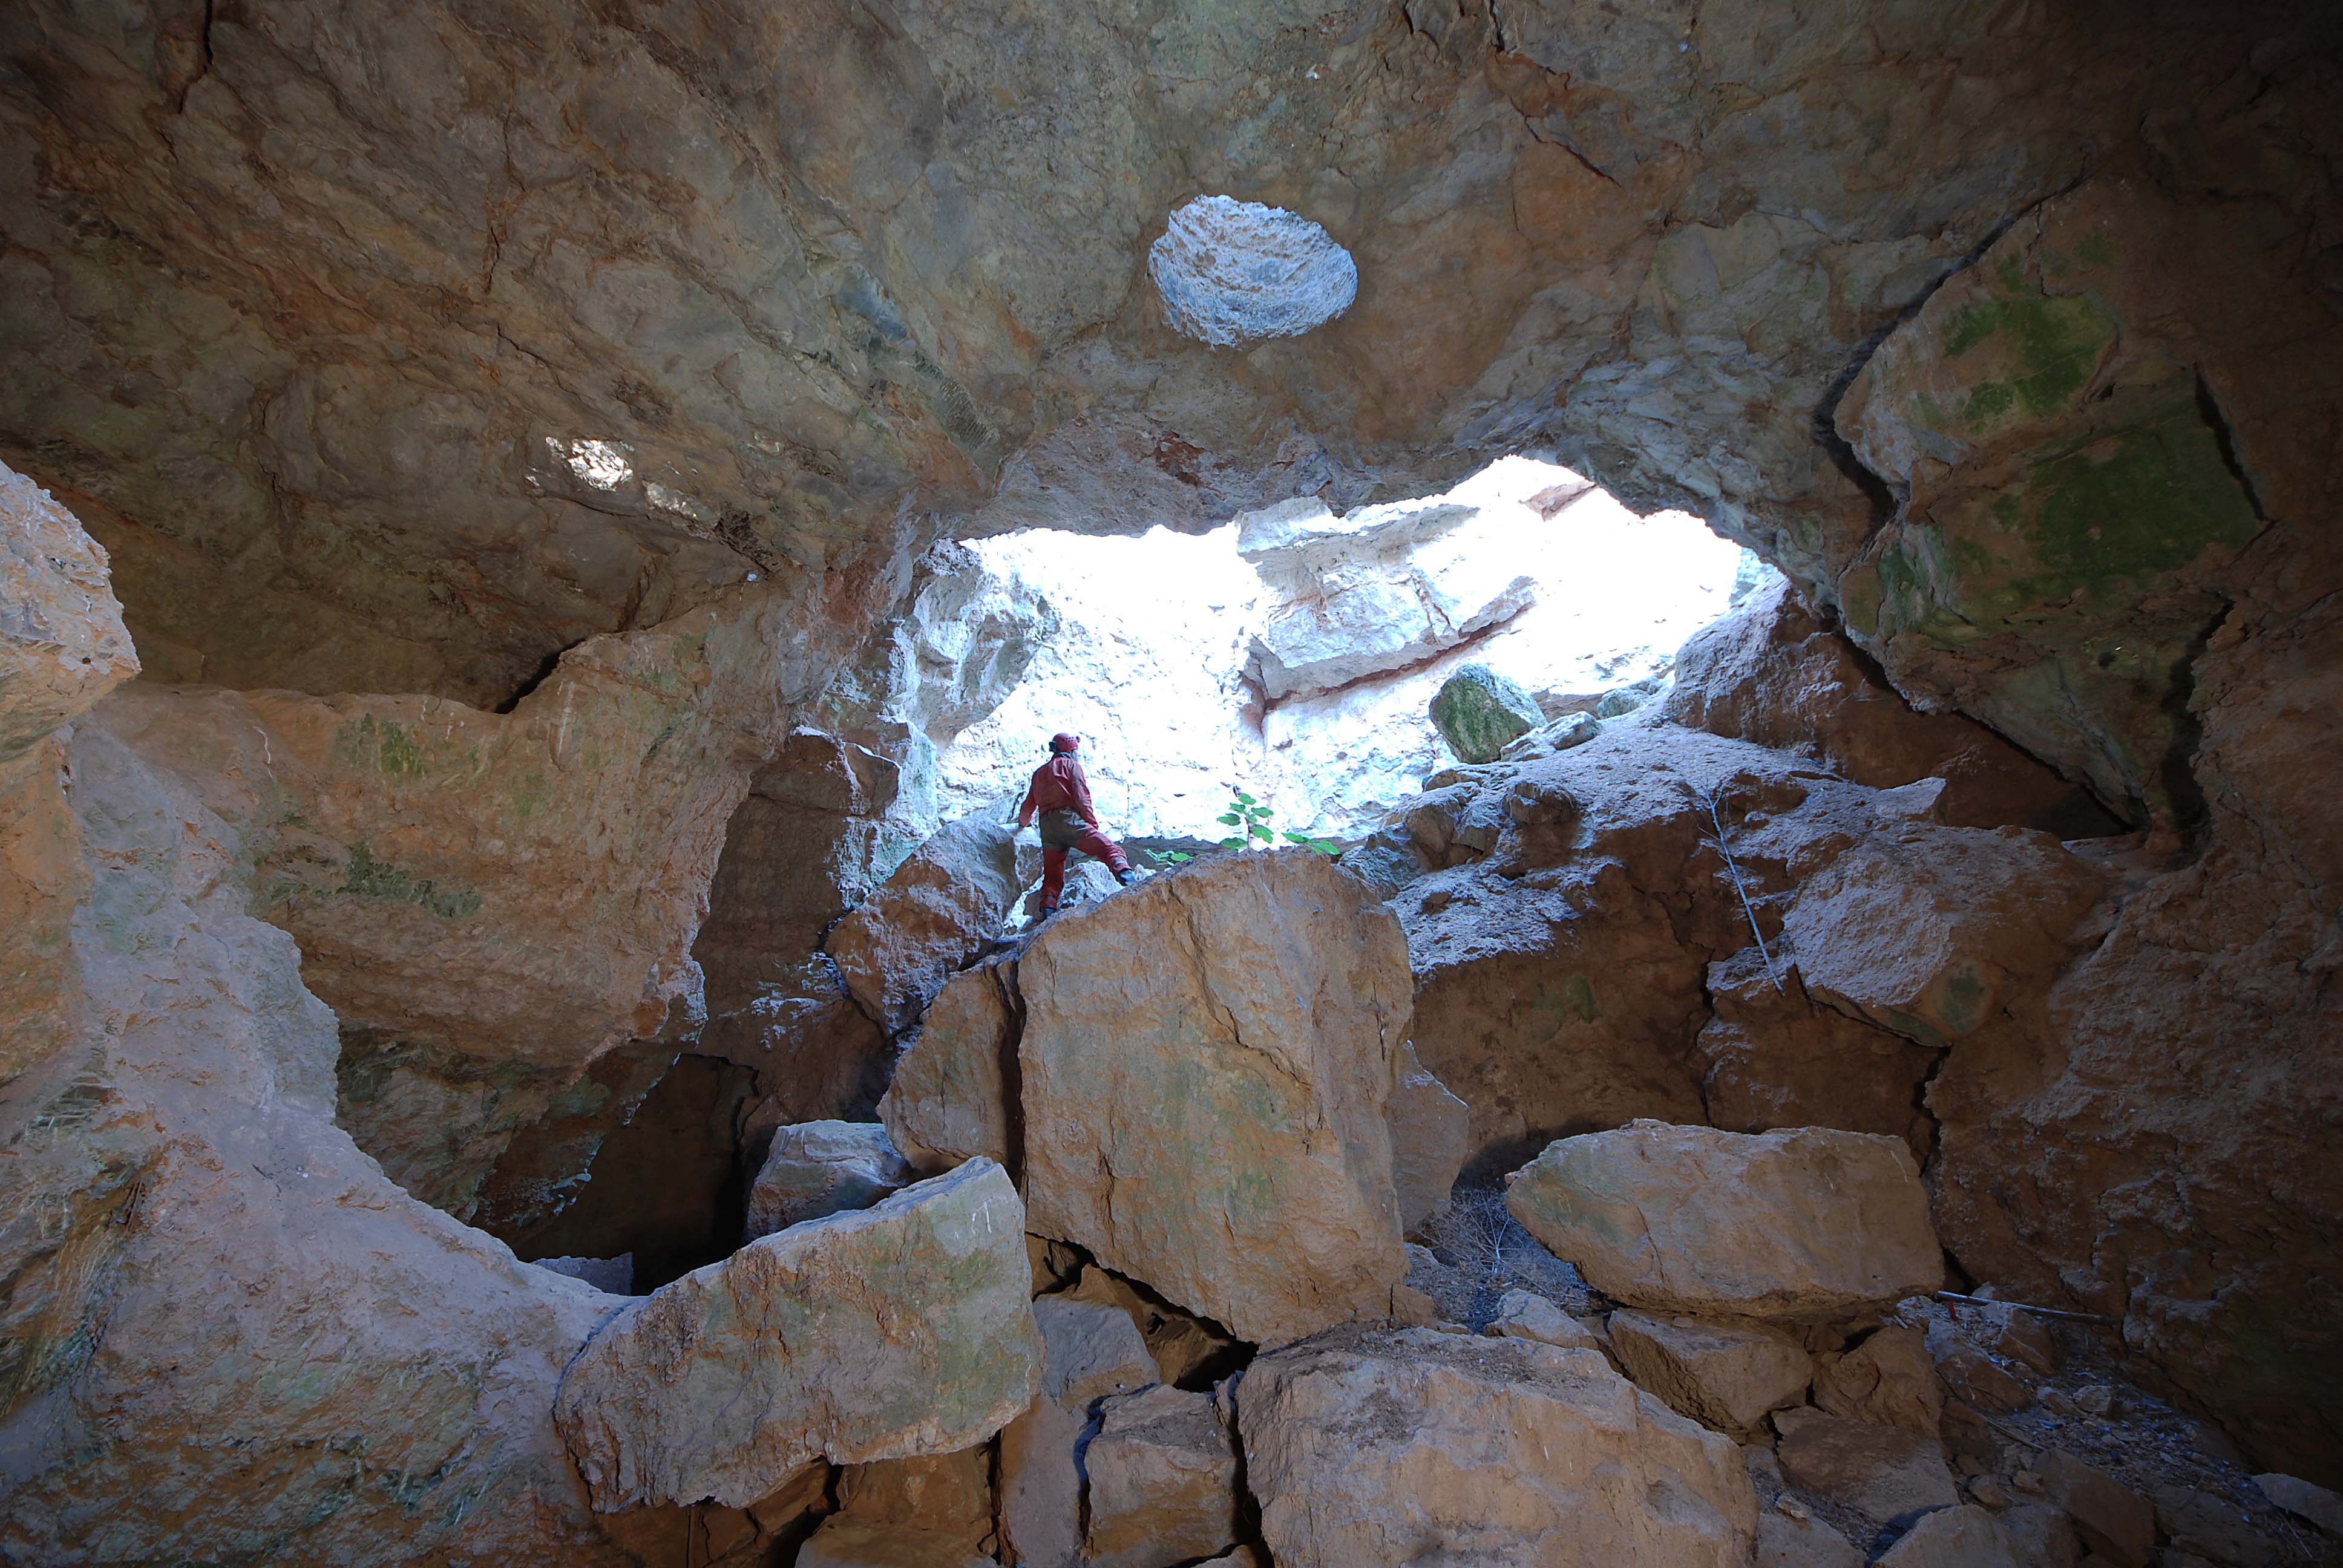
(1060, 796)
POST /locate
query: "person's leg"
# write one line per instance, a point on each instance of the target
(1053, 877)
(1099, 847)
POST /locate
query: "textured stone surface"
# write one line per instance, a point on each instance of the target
(846, 1541)
(1091, 1351)
(1369, 1450)
(804, 1344)
(1524, 1316)
(1771, 673)
(1727, 1376)
(491, 901)
(1882, 1471)
(1802, 1543)
(2304, 1499)
(936, 912)
(1806, 1225)
(949, 1495)
(62, 645)
(1207, 1064)
(2113, 1520)
(817, 1167)
(1889, 1379)
(949, 1100)
(180, 1155)
(1480, 712)
(1964, 1537)
(1431, 1134)
(1163, 1472)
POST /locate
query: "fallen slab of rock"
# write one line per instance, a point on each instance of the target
(1727, 1376)
(1806, 1225)
(1430, 1133)
(1889, 1378)
(1883, 1472)
(1162, 1472)
(1090, 1350)
(2114, 1521)
(949, 1099)
(1964, 1537)
(843, 1542)
(897, 947)
(1207, 1064)
(1368, 1448)
(945, 1495)
(1525, 1315)
(817, 1167)
(893, 1331)
(2304, 1499)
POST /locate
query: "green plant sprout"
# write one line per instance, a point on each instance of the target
(1253, 824)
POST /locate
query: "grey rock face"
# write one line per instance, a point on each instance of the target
(1808, 1224)
(817, 1167)
(1377, 1449)
(900, 1330)
(1479, 713)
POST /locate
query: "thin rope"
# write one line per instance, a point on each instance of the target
(1726, 850)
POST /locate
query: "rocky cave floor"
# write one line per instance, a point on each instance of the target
(2078, 1398)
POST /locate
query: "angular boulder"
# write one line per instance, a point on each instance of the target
(1802, 1542)
(1430, 1133)
(945, 1496)
(61, 642)
(1889, 1378)
(896, 948)
(1883, 1472)
(950, 1097)
(1480, 713)
(898, 1330)
(1523, 1315)
(1207, 1064)
(1368, 1450)
(1163, 1480)
(1727, 1376)
(817, 1167)
(1964, 1537)
(1805, 1225)
(2113, 1520)
(1089, 1351)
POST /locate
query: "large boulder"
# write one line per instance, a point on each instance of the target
(1091, 1351)
(1480, 712)
(1206, 1065)
(898, 1330)
(1368, 1450)
(1162, 1470)
(1727, 1376)
(61, 643)
(1805, 1225)
(1772, 673)
(950, 1097)
(935, 913)
(817, 1167)
(1379, 589)
(1883, 1472)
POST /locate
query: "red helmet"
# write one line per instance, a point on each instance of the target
(1062, 741)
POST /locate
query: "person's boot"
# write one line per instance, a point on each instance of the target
(1125, 875)
(1049, 907)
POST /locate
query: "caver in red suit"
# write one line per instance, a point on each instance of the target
(1061, 797)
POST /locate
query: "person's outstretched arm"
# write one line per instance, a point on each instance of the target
(1025, 811)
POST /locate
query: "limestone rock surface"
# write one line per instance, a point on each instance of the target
(934, 914)
(1889, 1379)
(1091, 1352)
(1806, 1225)
(1207, 1064)
(1163, 1472)
(819, 1168)
(1727, 1376)
(1522, 1315)
(1804, 1541)
(945, 1495)
(845, 1541)
(1964, 1537)
(949, 1098)
(1369, 1450)
(1431, 1134)
(1882, 1471)
(801, 1344)
(1480, 712)
(61, 643)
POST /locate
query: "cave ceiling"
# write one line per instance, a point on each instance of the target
(397, 346)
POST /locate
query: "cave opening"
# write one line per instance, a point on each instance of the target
(1294, 652)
